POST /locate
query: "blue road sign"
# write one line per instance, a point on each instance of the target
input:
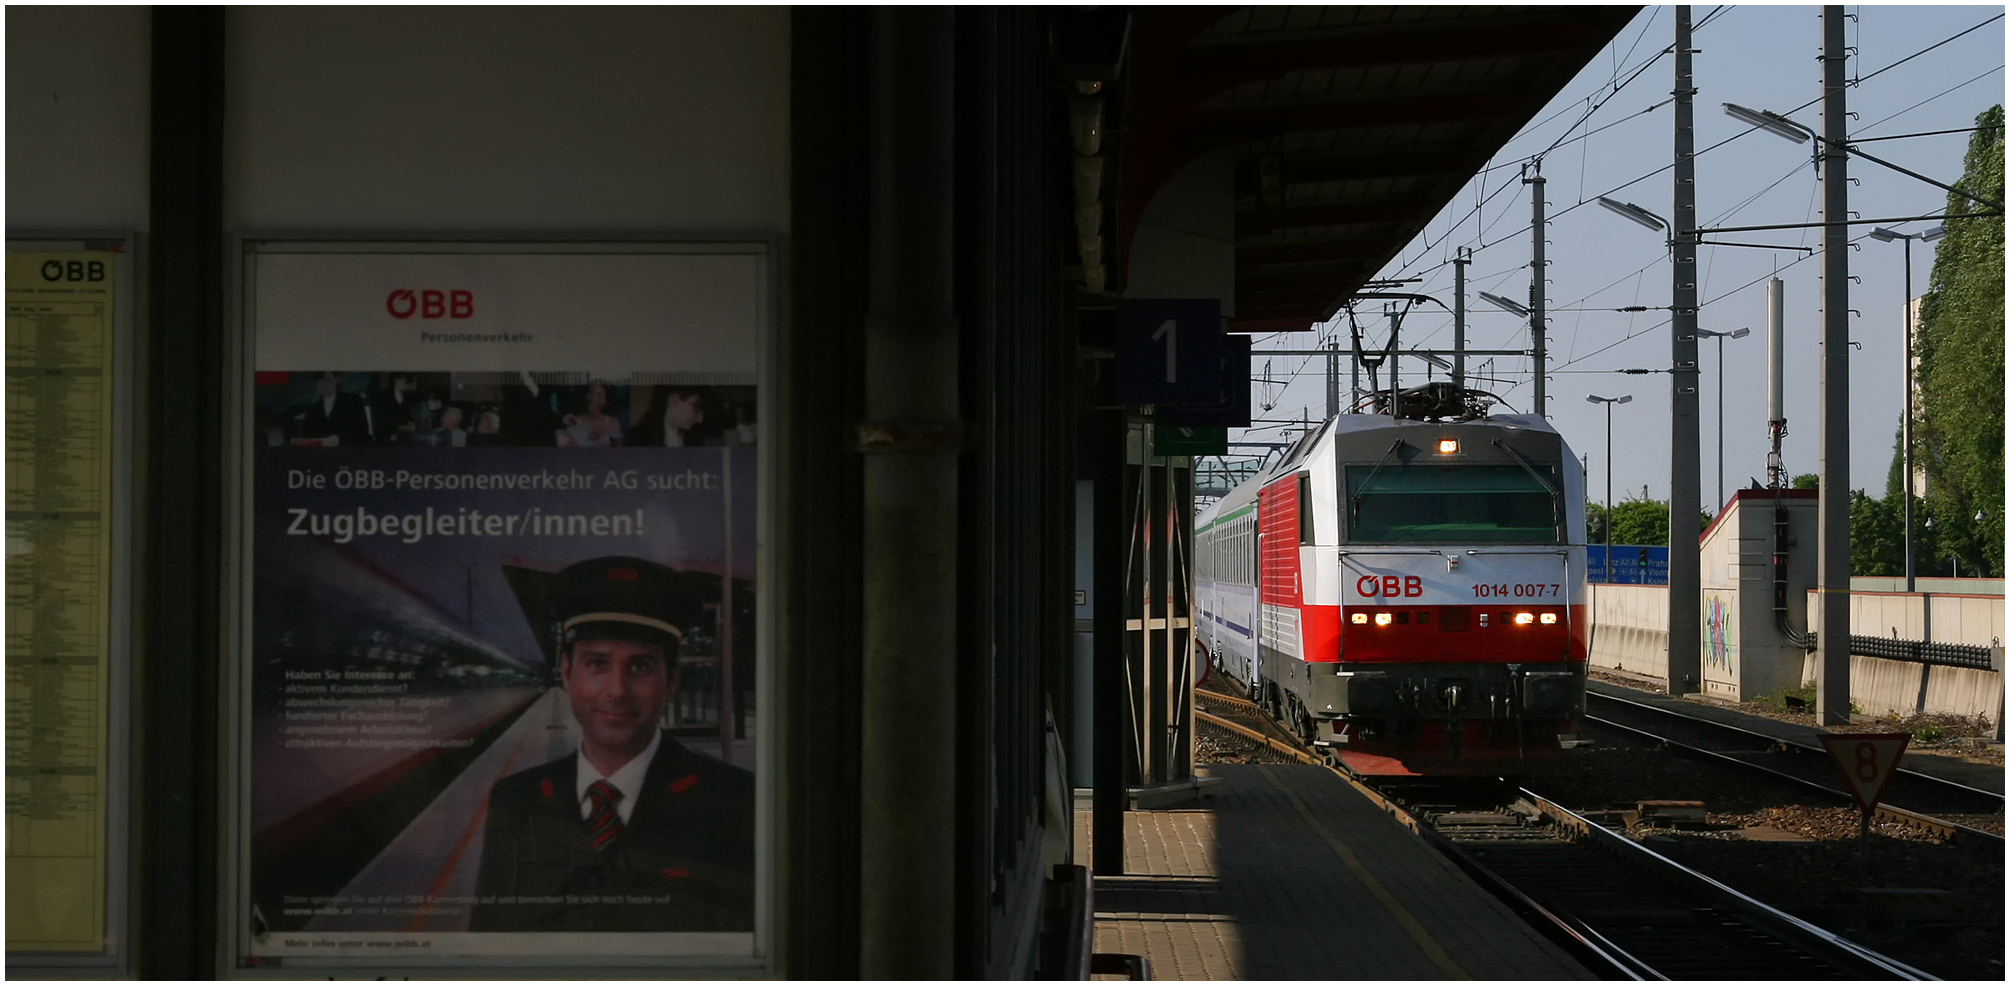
(1632, 564)
(1170, 352)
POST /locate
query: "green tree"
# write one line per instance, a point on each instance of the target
(1959, 343)
(1635, 520)
(1876, 534)
(1894, 477)
(1594, 523)
(1807, 481)
(1641, 521)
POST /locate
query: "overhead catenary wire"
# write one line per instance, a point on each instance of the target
(1481, 239)
(1662, 170)
(1923, 102)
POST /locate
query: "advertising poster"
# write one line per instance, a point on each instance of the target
(501, 693)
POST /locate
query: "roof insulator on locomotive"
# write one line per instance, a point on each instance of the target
(1437, 401)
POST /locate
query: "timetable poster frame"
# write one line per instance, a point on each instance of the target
(61, 269)
(501, 542)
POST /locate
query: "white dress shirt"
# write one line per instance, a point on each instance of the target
(673, 436)
(627, 780)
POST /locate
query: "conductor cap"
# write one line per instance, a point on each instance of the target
(624, 598)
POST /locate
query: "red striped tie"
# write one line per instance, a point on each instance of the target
(604, 823)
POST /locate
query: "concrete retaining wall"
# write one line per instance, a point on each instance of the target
(1630, 633)
(1629, 628)
(1884, 687)
(1940, 617)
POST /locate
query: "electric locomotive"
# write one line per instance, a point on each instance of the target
(1407, 590)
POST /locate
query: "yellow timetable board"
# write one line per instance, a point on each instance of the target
(60, 333)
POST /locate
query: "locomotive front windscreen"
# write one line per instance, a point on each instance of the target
(1435, 504)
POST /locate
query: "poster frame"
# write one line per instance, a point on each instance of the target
(235, 835)
(121, 815)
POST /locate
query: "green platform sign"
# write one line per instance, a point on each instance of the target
(1171, 440)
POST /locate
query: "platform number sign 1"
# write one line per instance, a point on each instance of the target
(1169, 352)
(1169, 332)
(1233, 411)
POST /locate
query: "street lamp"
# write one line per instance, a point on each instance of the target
(1770, 122)
(1885, 235)
(1505, 304)
(1608, 402)
(1720, 337)
(1635, 213)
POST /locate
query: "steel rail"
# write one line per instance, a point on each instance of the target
(1572, 932)
(1774, 920)
(1565, 930)
(1777, 741)
(1575, 934)
(1228, 699)
(1892, 812)
(1245, 731)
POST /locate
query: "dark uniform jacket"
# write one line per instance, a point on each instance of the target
(388, 414)
(347, 421)
(683, 862)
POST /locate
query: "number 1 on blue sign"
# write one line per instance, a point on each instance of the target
(1170, 333)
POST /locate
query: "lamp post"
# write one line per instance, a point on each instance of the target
(1720, 337)
(1831, 147)
(1928, 236)
(1520, 310)
(1685, 440)
(1608, 402)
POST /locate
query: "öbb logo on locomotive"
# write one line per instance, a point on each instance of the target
(1407, 591)
(1389, 586)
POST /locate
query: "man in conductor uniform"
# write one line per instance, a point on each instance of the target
(632, 832)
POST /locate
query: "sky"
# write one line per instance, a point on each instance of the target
(1756, 56)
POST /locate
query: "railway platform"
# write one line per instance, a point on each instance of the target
(1286, 872)
(1984, 777)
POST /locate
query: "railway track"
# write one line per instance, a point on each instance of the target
(1240, 726)
(1948, 809)
(1622, 908)
(1561, 871)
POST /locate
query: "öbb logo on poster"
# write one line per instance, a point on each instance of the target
(406, 302)
(73, 270)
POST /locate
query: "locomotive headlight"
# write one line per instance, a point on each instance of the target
(1549, 617)
(1523, 619)
(1382, 619)
(1448, 446)
(1360, 617)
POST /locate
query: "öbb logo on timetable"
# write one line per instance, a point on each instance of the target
(1389, 586)
(406, 302)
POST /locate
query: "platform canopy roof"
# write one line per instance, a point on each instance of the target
(1351, 126)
